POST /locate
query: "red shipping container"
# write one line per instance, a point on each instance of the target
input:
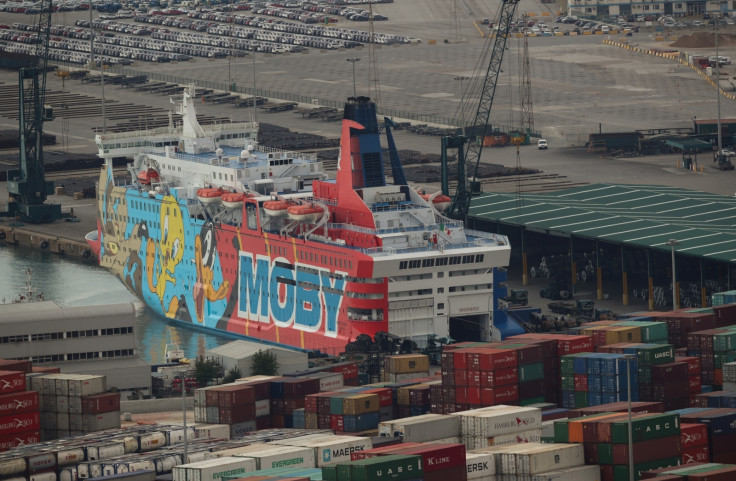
(461, 377)
(298, 387)
(382, 450)
(310, 403)
(30, 421)
(666, 373)
(574, 344)
(695, 455)
(19, 439)
(212, 398)
(581, 382)
(500, 377)
(461, 395)
(349, 370)
(437, 457)
(458, 473)
(460, 359)
(530, 389)
(337, 422)
(12, 381)
(506, 394)
(694, 384)
(693, 435)
(20, 402)
(235, 395)
(492, 359)
(101, 403)
(46, 370)
(473, 395)
(693, 364)
(385, 395)
(237, 414)
(15, 365)
(649, 450)
(261, 389)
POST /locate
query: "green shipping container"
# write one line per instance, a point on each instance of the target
(621, 472)
(531, 372)
(567, 382)
(562, 433)
(725, 341)
(329, 473)
(336, 403)
(721, 358)
(650, 427)
(531, 400)
(581, 399)
(655, 354)
(605, 453)
(383, 468)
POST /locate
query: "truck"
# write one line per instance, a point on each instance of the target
(582, 310)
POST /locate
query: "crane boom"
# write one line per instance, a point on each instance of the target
(468, 159)
(28, 186)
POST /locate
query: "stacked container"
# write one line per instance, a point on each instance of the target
(415, 400)
(418, 429)
(499, 425)
(536, 461)
(670, 385)
(231, 404)
(20, 411)
(591, 379)
(75, 404)
(682, 323)
(287, 395)
(721, 425)
(694, 377)
(404, 367)
(394, 467)
(329, 449)
(694, 443)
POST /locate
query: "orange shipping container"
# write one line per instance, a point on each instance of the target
(361, 404)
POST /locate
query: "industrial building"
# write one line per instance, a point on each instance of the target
(240, 353)
(85, 339)
(588, 9)
(619, 238)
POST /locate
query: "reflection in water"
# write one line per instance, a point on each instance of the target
(70, 283)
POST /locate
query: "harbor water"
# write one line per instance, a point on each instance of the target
(69, 283)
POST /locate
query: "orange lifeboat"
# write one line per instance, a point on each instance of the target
(305, 212)
(276, 208)
(233, 200)
(440, 201)
(146, 177)
(210, 195)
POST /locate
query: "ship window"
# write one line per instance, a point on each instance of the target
(414, 264)
(479, 258)
(402, 264)
(428, 263)
(440, 305)
(468, 259)
(454, 260)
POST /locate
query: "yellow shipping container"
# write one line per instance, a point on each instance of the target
(310, 420)
(360, 404)
(407, 363)
(623, 334)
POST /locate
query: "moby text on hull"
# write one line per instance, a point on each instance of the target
(213, 229)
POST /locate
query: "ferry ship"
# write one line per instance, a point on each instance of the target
(210, 228)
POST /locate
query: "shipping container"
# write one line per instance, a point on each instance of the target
(391, 467)
(15, 365)
(407, 363)
(422, 428)
(360, 404)
(578, 473)
(496, 420)
(106, 449)
(100, 422)
(19, 439)
(647, 427)
(28, 421)
(143, 475)
(479, 465)
(100, 403)
(19, 402)
(86, 384)
(535, 459)
(12, 381)
(212, 431)
(329, 449)
(214, 469)
(269, 456)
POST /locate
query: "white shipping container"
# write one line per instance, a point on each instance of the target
(176, 435)
(69, 455)
(105, 450)
(87, 384)
(268, 456)
(12, 466)
(426, 427)
(729, 386)
(213, 469)
(68, 474)
(100, 422)
(532, 436)
(330, 449)
(61, 384)
(48, 403)
(548, 429)
(212, 431)
(263, 408)
(578, 473)
(212, 415)
(550, 457)
(331, 381)
(48, 420)
(495, 420)
(62, 421)
(75, 405)
(454, 440)
(75, 422)
(197, 456)
(62, 404)
(479, 465)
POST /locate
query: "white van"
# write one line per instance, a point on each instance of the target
(542, 144)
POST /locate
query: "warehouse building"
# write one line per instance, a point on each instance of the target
(589, 9)
(619, 238)
(84, 340)
(240, 353)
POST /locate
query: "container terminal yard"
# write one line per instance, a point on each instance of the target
(650, 394)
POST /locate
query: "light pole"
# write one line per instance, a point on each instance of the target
(672, 243)
(352, 61)
(628, 358)
(718, 86)
(461, 79)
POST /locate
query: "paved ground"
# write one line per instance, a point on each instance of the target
(579, 86)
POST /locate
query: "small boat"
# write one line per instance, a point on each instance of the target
(439, 201)
(233, 200)
(305, 212)
(147, 177)
(276, 208)
(210, 195)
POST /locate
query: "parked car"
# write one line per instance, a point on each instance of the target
(542, 144)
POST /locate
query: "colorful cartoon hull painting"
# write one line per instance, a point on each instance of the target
(257, 242)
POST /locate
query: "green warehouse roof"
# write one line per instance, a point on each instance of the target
(644, 216)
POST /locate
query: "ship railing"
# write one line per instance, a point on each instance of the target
(495, 241)
(393, 230)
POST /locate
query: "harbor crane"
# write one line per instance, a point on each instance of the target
(469, 143)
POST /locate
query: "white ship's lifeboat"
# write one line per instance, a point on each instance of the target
(233, 200)
(276, 208)
(305, 212)
(440, 202)
(146, 177)
(210, 195)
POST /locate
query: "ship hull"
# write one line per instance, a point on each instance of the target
(219, 276)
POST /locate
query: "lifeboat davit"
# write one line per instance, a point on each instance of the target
(146, 177)
(440, 201)
(276, 208)
(305, 212)
(233, 200)
(210, 195)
